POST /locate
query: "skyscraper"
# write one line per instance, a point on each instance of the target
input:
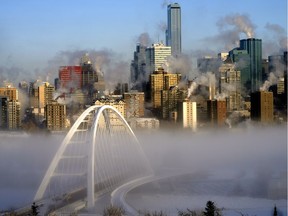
(173, 33)
(254, 49)
(138, 65)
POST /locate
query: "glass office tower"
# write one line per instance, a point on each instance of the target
(173, 33)
(254, 49)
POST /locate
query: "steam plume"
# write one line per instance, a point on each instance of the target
(144, 39)
(230, 28)
(241, 24)
(272, 80)
(206, 79)
(278, 43)
(182, 64)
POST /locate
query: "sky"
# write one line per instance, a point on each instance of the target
(34, 34)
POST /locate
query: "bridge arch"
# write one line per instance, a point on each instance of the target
(97, 135)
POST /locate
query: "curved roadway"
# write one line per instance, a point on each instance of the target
(119, 194)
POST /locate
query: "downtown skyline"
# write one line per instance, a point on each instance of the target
(38, 37)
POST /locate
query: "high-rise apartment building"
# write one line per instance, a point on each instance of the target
(169, 101)
(9, 113)
(134, 102)
(262, 106)
(159, 81)
(230, 85)
(253, 47)
(156, 56)
(40, 94)
(216, 111)
(187, 114)
(9, 108)
(173, 32)
(55, 115)
(10, 92)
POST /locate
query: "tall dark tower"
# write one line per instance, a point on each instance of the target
(173, 34)
(254, 49)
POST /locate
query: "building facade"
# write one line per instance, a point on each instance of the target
(134, 102)
(9, 113)
(117, 104)
(216, 111)
(156, 57)
(230, 85)
(138, 75)
(10, 92)
(159, 81)
(70, 77)
(173, 33)
(253, 47)
(144, 123)
(187, 114)
(262, 106)
(169, 101)
(55, 115)
(241, 58)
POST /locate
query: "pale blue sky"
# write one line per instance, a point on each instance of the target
(32, 32)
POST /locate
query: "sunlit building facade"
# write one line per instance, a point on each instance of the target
(159, 81)
(118, 104)
(9, 114)
(10, 92)
(156, 57)
(187, 114)
(134, 102)
(55, 115)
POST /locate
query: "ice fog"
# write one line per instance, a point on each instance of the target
(249, 162)
(239, 169)
(24, 160)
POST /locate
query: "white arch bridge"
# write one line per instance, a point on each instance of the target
(100, 152)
